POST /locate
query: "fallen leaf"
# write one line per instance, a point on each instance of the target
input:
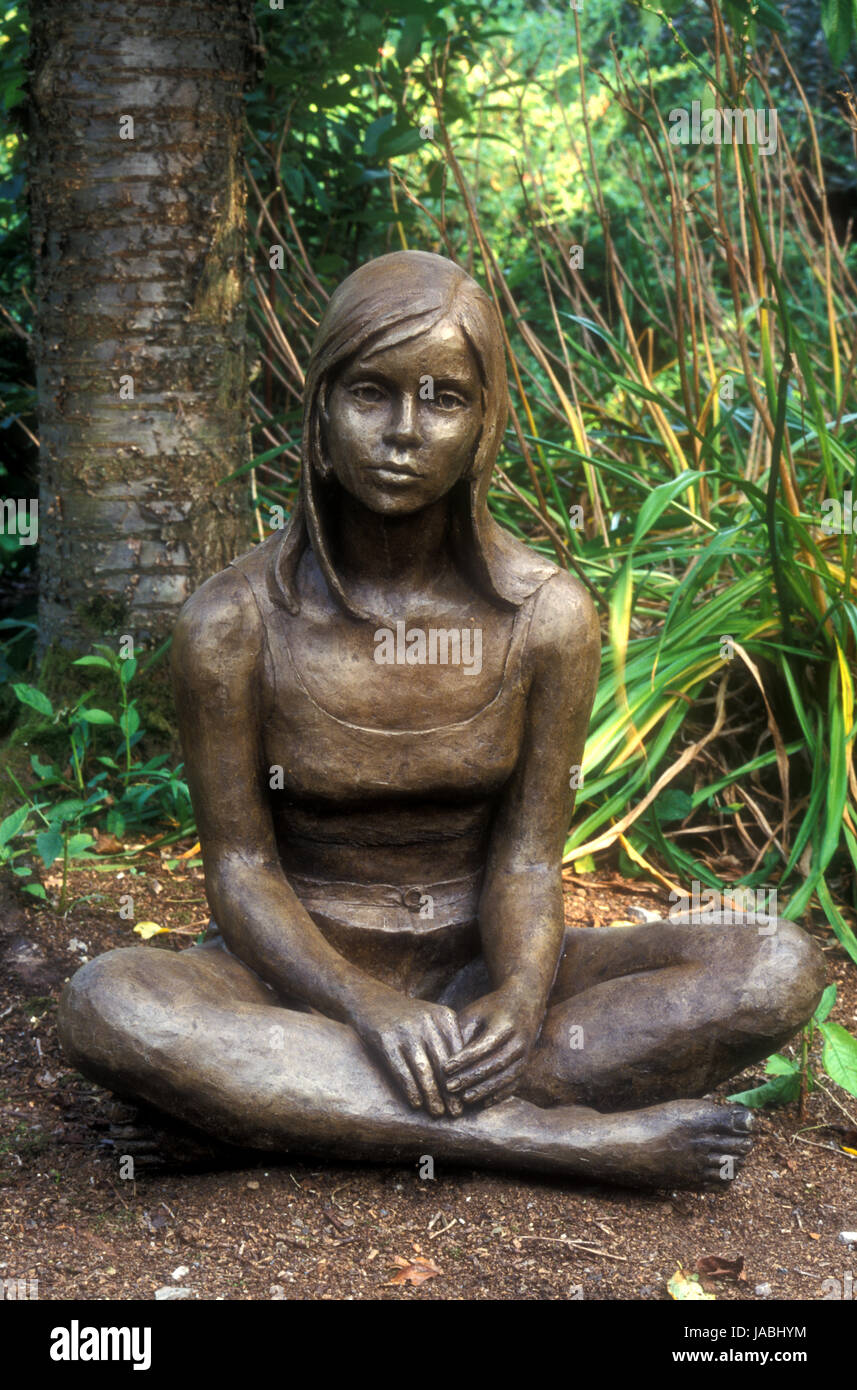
(413, 1271)
(149, 929)
(684, 1287)
(719, 1267)
(106, 844)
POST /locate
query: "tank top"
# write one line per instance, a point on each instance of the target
(330, 760)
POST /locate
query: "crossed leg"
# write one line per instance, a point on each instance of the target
(670, 1009)
(200, 1036)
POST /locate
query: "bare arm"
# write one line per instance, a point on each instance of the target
(521, 909)
(218, 654)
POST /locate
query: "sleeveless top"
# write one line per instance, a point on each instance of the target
(327, 760)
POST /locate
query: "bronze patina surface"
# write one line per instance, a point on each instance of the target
(380, 709)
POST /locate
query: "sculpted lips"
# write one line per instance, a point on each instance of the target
(395, 470)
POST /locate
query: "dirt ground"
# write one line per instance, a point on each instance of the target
(288, 1229)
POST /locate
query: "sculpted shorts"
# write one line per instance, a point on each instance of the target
(415, 938)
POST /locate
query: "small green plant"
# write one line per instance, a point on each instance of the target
(13, 847)
(99, 787)
(792, 1078)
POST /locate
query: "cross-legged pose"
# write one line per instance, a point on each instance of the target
(381, 709)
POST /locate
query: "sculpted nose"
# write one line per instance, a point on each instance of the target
(404, 424)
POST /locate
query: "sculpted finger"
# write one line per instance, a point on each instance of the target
(498, 1088)
(437, 1047)
(463, 1081)
(488, 1042)
(420, 1064)
(403, 1074)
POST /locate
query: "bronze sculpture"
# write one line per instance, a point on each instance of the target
(380, 708)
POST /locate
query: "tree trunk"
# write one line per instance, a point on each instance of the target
(139, 247)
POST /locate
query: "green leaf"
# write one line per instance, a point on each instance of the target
(77, 844)
(409, 40)
(67, 809)
(129, 723)
(42, 770)
(840, 1056)
(96, 716)
(291, 175)
(35, 888)
(127, 669)
(838, 22)
(673, 804)
(777, 1092)
(49, 845)
(374, 131)
(828, 999)
(92, 661)
(28, 695)
(658, 501)
(781, 1066)
(10, 827)
(771, 18)
(404, 143)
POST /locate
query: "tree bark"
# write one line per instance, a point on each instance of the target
(139, 247)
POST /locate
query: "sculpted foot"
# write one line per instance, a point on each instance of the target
(686, 1143)
(158, 1143)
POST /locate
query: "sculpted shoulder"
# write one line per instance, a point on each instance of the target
(565, 631)
(218, 631)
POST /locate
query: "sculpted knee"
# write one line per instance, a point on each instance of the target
(96, 995)
(790, 972)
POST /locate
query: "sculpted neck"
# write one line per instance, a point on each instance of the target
(391, 553)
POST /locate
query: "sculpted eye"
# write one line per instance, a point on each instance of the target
(448, 400)
(366, 392)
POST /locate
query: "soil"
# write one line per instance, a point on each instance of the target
(283, 1228)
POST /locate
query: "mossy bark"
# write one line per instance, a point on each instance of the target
(139, 248)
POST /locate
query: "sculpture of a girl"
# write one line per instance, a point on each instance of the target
(381, 708)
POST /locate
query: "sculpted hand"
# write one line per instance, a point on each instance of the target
(415, 1040)
(499, 1030)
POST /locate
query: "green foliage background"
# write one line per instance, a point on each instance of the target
(505, 134)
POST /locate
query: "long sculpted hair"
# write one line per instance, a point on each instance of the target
(392, 300)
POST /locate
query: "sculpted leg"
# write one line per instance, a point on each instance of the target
(670, 1009)
(196, 1035)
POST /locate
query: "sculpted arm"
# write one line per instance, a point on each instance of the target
(218, 654)
(218, 650)
(521, 909)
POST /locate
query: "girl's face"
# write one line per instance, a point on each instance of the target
(401, 425)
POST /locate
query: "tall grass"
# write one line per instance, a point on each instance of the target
(682, 404)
